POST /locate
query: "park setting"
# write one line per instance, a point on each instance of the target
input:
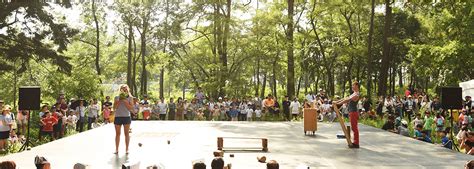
(248, 84)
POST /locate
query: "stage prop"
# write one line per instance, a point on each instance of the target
(343, 126)
(220, 144)
(310, 120)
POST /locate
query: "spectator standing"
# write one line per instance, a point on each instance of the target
(93, 113)
(233, 113)
(410, 105)
(243, 111)
(22, 121)
(42, 113)
(163, 108)
(199, 96)
(81, 112)
(155, 110)
(180, 109)
(171, 110)
(57, 128)
(295, 108)
(48, 122)
(6, 129)
(249, 112)
(436, 105)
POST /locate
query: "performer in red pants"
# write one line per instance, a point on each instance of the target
(353, 113)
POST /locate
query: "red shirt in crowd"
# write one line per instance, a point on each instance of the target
(48, 123)
(407, 93)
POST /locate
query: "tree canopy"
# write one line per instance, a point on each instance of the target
(234, 48)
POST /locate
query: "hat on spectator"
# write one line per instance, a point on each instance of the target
(1, 101)
(404, 122)
(220, 98)
(6, 107)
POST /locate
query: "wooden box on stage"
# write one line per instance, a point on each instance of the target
(310, 120)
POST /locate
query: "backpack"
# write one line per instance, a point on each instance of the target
(439, 122)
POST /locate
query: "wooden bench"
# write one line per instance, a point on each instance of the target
(220, 144)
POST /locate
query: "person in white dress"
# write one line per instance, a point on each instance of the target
(295, 107)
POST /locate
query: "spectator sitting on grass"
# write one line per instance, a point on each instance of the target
(403, 129)
(389, 124)
(445, 140)
(420, 135)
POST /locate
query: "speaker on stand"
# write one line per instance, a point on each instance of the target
(29, 99)
(451, 98)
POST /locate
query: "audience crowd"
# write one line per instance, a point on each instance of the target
(414, 114)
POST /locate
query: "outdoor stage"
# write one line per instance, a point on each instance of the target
(197, 140)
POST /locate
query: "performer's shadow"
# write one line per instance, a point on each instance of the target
(117, 160)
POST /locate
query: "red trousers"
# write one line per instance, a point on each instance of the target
(354, 118)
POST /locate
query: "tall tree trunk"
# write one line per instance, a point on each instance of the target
(144, 78)
(257, 85)
(135, 59)
(369, 52)
(162, 82)
(15, 86)
(222, 46)
(300, 79)
(97, 44)
(400, 78)
(382, 90)
(264, 84)
(165, 45)
(290, 88)
(129, 56)
(392, 80)
(274, 82)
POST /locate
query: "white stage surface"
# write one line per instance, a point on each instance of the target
(196, 140)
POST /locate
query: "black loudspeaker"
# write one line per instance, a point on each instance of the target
(29, 98)
(451, 97)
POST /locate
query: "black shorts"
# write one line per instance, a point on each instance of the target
(469, 143)
(47, 133)
(4, 135)
(122, 120)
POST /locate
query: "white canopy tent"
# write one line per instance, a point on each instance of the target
(467, 88)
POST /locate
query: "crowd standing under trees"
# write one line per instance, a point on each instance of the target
(412, 114)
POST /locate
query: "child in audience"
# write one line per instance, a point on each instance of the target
(71, 121)
(258, 113)
(249, 113)
(216, 112)
(428, 123)
(48, 123)
(223, 113)
(445, 140)
(439, 123)
(106, 113)
(420, 135)
(417, 120)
